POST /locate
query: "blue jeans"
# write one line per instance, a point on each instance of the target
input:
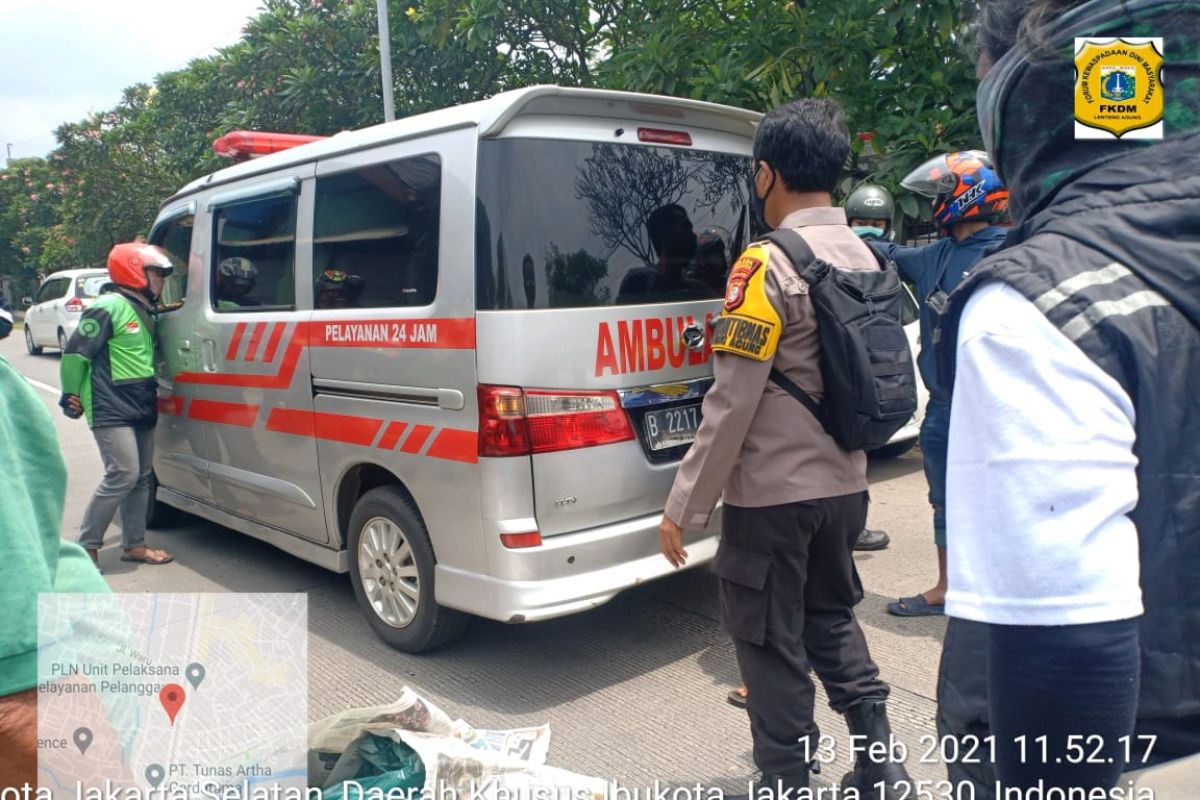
(935, 433)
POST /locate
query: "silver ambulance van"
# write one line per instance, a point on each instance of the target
(447, 354)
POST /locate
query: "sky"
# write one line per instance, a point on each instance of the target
(63, 59)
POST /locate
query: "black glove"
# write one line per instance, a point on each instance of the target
(69, 409)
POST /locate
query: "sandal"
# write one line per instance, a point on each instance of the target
(737, 697)
(916, 606)
(147, 555)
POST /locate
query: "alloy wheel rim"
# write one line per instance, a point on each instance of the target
(28, 339)
(388, 569)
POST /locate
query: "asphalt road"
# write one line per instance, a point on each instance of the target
(634, 690)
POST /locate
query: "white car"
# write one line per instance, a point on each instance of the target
(53, 313)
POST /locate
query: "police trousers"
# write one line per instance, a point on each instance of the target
(788, 588)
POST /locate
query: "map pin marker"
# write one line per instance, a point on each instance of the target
(172, 697)
(155, 775)
(83, 739)
(195, 674)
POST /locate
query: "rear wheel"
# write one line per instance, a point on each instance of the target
(158, 513)
(33, 349)
(391, 568)
(62, 340)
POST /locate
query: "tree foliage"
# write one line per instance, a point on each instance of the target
(899, 67)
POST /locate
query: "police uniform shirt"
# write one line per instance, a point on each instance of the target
(757, 444)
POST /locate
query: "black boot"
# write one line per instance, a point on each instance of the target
(868, 721)
(872, 540)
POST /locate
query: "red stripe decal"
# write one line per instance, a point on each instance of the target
(455, 445)
(416, 439)
(347, 429)
(236, 342)
(445, 334)
(280, 380)
(237, 414)
(286, 420)
(255, 338)
(172, 406)
(392, 435)
(273, 342)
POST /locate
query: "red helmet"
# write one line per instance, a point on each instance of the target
(964, 186)
(127, 263)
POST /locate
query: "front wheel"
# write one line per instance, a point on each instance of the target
(30, 347)
(62, 340)
(391, 569)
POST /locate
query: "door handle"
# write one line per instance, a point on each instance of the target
(185, 345)
(692, 337)
(210, 355)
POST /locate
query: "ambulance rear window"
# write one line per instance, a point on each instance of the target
(582, 224)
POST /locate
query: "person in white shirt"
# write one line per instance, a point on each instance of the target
(1073, 493)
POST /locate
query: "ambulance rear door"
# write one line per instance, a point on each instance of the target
(605, 240)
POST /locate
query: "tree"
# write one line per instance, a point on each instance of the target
(574, 278)
(900, 67)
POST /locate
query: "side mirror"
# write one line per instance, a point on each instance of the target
(26, 301)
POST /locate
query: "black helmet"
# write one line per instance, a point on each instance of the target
(237, 272)
(870, 201)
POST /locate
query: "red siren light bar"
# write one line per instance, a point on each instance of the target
(241, 145)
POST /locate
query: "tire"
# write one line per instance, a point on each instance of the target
(894, 449)
(62, 340)
(391, 568)
(158, 513)
(30, 347)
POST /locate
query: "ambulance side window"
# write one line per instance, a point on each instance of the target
(175, 237)
(254, 259)
(375, 235)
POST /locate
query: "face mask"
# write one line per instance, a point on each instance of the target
(867, 232)
(758, 205)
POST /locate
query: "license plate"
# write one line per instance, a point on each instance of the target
(671, 427)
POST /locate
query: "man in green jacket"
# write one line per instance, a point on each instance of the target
(108, 374)
(33, 559)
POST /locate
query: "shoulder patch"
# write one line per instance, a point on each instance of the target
(749, 326)
(753, 260)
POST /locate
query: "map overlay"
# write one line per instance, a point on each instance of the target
(172, 695)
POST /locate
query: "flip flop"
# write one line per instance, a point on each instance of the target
(161, 557)
(736, 698)
(916, 606)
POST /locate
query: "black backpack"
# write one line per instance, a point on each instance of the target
(870, 388)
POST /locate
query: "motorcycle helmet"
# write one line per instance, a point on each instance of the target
(128, 261)
(870, 201)
(964, 188)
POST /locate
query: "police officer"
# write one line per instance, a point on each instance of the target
(794, 500)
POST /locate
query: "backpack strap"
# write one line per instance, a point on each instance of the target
(798, 252)
(802, 257)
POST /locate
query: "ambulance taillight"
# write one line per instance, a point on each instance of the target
(518, 422)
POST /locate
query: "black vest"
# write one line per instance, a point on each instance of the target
(1113, 261)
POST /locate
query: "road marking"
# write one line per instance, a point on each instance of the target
(45, 387)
